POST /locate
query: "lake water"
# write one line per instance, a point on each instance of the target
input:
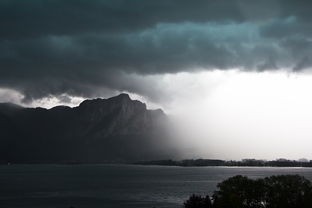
(115, 186)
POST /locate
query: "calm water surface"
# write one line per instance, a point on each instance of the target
(115, 186)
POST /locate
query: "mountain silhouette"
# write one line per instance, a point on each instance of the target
(116, 129)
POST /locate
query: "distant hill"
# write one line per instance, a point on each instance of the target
(117, 129)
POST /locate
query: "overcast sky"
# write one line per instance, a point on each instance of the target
(181, 55)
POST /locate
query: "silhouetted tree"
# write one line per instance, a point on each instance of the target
(284, 191)
(288, 191)
(239, 192)
(197, 201)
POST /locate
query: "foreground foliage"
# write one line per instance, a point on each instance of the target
(198, 201)
(284, 191)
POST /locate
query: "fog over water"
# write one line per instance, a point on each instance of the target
(235, 115)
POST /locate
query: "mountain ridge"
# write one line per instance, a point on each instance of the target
(97, 130)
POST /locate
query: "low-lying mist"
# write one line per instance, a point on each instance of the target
(236, 115)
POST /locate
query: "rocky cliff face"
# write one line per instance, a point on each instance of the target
(117, 129)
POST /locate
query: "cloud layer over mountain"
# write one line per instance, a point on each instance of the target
(83, 48)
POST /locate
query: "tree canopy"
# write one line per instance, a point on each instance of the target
(283, 191)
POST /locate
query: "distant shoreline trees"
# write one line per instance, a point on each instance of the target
(283, 191)
(242, 163)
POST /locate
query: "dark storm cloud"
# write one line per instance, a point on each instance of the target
(40, 18)
(81, 47)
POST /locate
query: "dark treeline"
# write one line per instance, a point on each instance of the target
(245, 162)
(283, 191)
